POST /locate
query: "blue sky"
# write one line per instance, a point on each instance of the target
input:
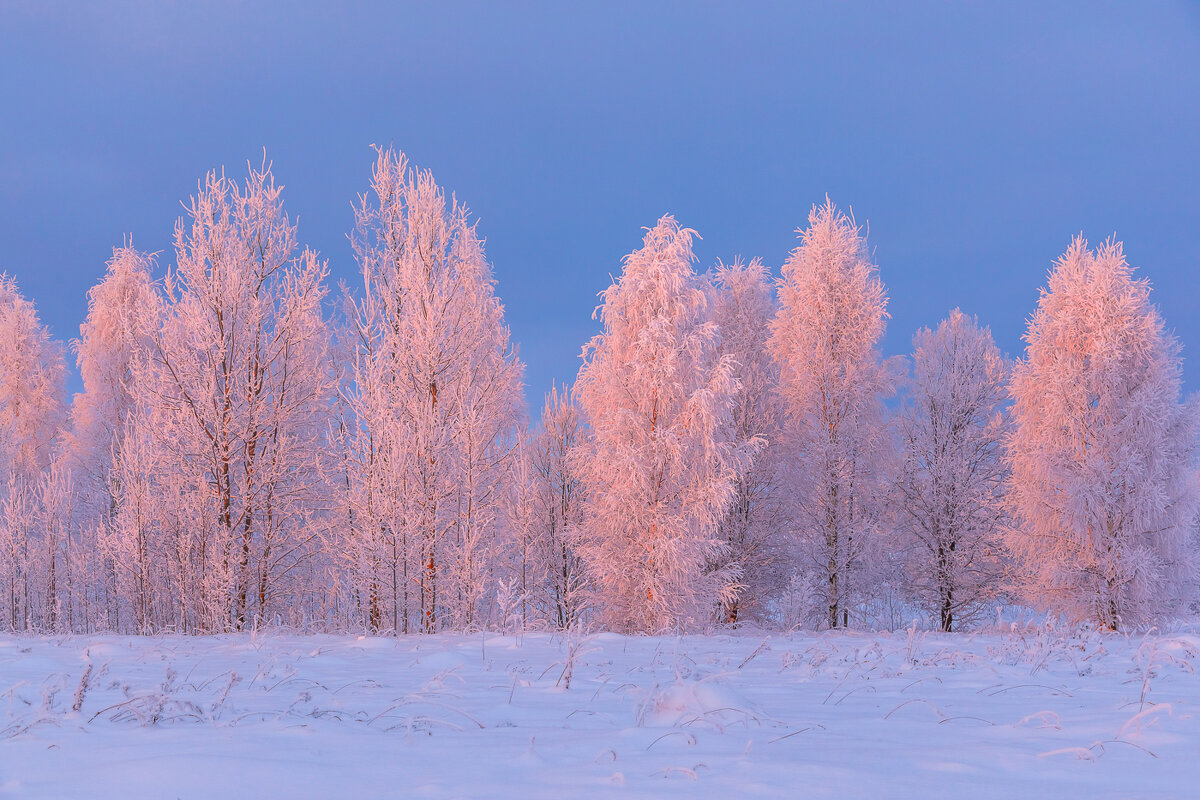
(974, 141)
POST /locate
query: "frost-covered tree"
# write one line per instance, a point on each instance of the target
(18, 510)
(518, 593)
(433, 409)
(559, 506)
(661, 465)
(151, 571)
(118, 334)
(547, 513)
(1103, 453)
(236, 391)
(950, 498)
(825, 340)
(61, 561)
(32, 414)
(754, 525)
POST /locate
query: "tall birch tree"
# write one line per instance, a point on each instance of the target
(661, 464)
(435, 404)
(950, 507)
(1103, 454)
(237, 390)
(825, 340)
(754, 527)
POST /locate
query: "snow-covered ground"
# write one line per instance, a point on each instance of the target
(1017, 714)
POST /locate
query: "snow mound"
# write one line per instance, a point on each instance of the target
(687, 702)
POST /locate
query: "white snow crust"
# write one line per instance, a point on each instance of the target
(1033, 713)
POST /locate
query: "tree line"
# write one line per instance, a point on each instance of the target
(249, 450)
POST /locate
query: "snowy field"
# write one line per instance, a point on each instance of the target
(1018, 714)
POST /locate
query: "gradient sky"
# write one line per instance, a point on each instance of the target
(974, 141)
